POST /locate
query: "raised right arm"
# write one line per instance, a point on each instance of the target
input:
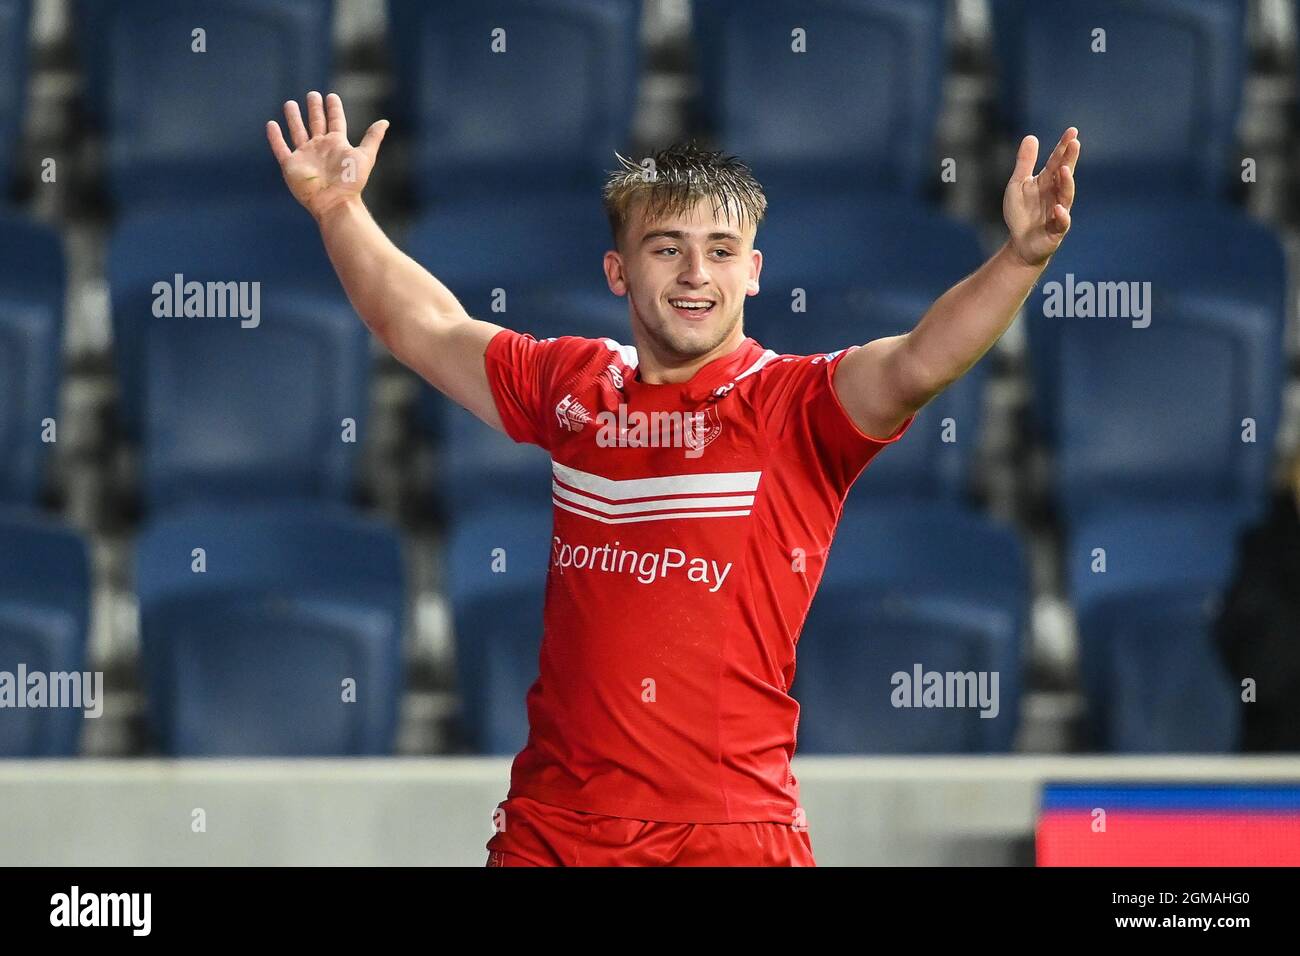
(417, 318)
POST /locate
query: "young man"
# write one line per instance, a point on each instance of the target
(661, 728)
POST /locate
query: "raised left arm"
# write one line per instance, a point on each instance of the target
(888, 379)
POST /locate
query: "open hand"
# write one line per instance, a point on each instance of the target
(1037, 208)
(323, 170)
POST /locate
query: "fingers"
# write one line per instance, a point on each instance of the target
(334, 115)
(1063, 146)
(1059, 224)
(1065, 186)
(1026, 156)
(323, 116)
(279, 148)
(315, 114)
(293, 120)
(1072, 155)
(374, 136)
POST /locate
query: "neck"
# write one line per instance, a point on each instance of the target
(658, 367)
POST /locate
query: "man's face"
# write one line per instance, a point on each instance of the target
(686, 278)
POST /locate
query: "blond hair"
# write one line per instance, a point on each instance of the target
(673, 180)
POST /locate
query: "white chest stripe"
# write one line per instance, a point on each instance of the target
(614, 501)
(630, 519)
(660, 504)
(721, 482)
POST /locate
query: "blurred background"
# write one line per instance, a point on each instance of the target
(1103, 511)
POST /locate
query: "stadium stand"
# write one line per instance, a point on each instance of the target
(182, 114)
(1176, 67)
(498, 560)
(31, 339)
(547, 115)
(1153, 400)
(266, 243)
(295, 607)
(44, 617)
(1146, 584)
(856, 111)
(207, 392)
(934, 587)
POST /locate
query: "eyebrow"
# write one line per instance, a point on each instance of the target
(679, 234)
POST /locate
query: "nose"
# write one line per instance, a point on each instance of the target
(693, 273)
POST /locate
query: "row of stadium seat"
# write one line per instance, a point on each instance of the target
(263, 630)
(541, 92)
(278, 630)
(1183, 408)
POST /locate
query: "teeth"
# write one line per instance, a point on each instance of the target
(691, 305)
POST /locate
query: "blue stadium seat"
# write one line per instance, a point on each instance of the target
(516, 243)
(873, 243)
(235, 413)
(1157, 412)
(1157, 111)
(1153, 679)
(869, 269)
(250, 657)
(274, 243)
(548, 111)
(483, 469)
(31, 339)
(44, 617)
(857, 110)
(182, 125)
(931, 585)
(498, 618)
(15, 16)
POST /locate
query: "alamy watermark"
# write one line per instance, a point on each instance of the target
(36, 689)
(127, 910)
(626, 428)
(208, 300)
(922, 688)
(1085, 299)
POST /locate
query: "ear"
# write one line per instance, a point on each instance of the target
(614, 274)
(755, 268)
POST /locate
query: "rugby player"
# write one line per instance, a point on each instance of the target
(661, 726)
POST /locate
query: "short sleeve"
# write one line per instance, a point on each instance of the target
(519, 371)
(807, 419)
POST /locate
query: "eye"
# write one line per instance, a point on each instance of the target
(725, 253)
(666, 249)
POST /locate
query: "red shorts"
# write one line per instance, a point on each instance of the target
(538, 834)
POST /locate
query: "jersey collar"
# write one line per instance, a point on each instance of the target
(718, 372)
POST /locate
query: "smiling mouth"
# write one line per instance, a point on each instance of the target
(693, 308)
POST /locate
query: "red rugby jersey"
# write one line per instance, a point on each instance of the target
(684, 556)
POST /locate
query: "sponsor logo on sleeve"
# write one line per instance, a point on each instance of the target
(571, 414)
